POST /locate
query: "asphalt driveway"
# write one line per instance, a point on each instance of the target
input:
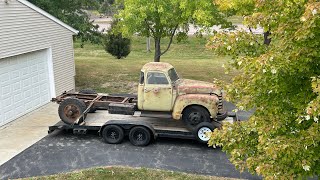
(64, 152)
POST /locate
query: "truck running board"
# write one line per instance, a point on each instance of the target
(156, 114)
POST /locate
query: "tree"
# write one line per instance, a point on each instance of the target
(115, 44)
(72, 13)
(281, 81)
(166, 18)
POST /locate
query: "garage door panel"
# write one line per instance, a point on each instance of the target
(6, 90)
(16, 87)
(24, 82)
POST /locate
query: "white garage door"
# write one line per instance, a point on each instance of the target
(25, 85)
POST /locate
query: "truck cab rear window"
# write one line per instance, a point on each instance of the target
(141, 77)
(157, 78)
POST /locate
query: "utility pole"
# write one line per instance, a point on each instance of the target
(148, 44)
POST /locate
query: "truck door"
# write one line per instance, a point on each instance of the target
(157, 92)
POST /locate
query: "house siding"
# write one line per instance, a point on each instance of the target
(24, 30)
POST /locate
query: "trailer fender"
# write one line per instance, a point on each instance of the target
(209, 102)
(127, 125)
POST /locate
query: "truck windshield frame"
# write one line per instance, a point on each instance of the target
(173, 75)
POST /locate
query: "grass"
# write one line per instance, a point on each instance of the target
(98, 70)
(128, 173)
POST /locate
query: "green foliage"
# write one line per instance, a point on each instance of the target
(281, 82)
(166, 18)
(115, 44)
(73, 14)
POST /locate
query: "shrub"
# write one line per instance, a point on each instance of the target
(117, 45)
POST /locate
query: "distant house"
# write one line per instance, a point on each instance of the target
(36, 58)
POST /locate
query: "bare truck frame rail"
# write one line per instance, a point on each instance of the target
(82, 103)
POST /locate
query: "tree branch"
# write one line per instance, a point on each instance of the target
(171, 37)
(149, 28)
(253, 35)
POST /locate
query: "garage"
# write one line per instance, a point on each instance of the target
(25, 84)
(36, 58)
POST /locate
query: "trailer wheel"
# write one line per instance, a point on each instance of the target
(112, 134)
(194, 115)
(139, 136)
(203, 130)
(70, 110)
(89, 91)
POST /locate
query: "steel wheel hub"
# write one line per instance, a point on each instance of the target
(204, 133)
(195, 118)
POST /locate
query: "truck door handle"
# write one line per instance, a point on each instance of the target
(146, 90)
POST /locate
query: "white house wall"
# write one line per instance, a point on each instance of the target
(24, 30)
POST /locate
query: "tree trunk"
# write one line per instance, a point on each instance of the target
(266, 38)
(157, 50)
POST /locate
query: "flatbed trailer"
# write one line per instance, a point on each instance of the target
(141, 130)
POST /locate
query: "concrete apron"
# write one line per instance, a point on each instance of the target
(23, 132)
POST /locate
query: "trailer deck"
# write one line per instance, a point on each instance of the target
(163, 127)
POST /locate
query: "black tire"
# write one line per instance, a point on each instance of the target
(194, 115)
(112, 134)
(70, 110)
(89, 91)
(139, 136)
(201, 129)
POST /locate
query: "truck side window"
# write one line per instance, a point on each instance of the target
(141, 77)
(157, 78)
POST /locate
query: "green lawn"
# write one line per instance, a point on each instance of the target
(100, 71)
(129, 173)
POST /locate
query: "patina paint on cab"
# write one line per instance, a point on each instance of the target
(160, 89)
(156, 91)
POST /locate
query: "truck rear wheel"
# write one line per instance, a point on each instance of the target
(194, 115)
(71, 109)
(139, 136)
(112, 134)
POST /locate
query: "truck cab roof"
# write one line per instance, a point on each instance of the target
(156, 66)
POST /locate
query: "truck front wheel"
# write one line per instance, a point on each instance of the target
(194, 115)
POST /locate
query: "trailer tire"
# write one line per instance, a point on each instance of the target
(201, 131)
(112, 134)
(89, 91)
(70, 110)
(139, 136)
(194, 115)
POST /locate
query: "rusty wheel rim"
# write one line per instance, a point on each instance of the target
(72, 112)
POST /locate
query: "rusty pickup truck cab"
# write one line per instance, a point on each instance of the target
(161, 89)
